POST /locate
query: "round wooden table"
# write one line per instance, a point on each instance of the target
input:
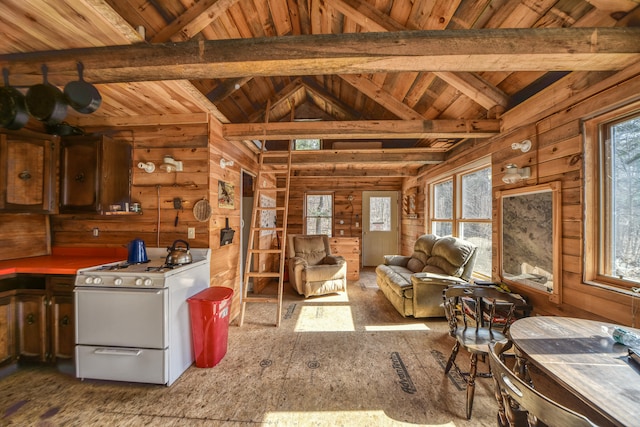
(582, 356)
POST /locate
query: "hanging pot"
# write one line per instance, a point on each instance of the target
(46, 102)
(177, 255)
(82, 96)
(13, 110)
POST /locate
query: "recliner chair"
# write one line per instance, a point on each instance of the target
(312, 268)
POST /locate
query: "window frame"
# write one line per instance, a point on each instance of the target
(457, 221)
(305, 215)
(596, 201)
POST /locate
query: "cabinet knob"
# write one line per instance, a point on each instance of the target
(24, 175)
(65, 321)
(31, 319)
(80, 177)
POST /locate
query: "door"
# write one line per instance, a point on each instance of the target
(379, 226)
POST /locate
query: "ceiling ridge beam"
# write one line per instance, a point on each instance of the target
(282, 96)
(363, 129)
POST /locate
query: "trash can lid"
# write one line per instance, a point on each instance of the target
(214, 293)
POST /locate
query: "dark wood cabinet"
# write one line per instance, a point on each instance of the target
(7, 329)
(95, 172)
(32, 325)
(61, 317)
(27, 174)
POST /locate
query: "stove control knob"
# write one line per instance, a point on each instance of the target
(117, 281)
(148, 282)
(88, 280)
(97, 280)
(138, 281)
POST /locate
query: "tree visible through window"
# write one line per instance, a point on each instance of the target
(319, 214)
(615, 224)
(461, 206)
(307, 144)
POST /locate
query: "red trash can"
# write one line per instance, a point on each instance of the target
(209, 311)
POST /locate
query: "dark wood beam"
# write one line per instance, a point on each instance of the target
(514, 49)
(381, 159)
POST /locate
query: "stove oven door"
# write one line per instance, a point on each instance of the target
(122, 334)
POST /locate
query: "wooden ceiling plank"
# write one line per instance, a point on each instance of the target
(385, 99)
(142, 120)
(194, 20)
(226, 88)
(281, 97)
(380, 129)
(361, 157)
(547, 49)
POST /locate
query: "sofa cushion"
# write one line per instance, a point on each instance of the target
(450, 255)
(397, 278)
(310, 248)
(415, 265)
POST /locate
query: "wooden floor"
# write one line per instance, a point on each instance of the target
(342, 360)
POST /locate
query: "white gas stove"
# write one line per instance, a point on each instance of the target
(132, 320)
(152, 274)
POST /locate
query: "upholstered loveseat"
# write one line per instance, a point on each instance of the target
(414, 284)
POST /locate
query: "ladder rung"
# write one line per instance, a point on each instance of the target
(263, 274)
(265, 251)
(271, 189)
(277, 208)
(276, 171)
(268, 229)
(269, 299)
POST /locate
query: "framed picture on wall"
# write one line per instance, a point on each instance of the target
(530, 252)
(225, 195)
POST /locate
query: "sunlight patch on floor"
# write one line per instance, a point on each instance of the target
(325, 318)
(339, 297)
(333, 418)
(405, 327)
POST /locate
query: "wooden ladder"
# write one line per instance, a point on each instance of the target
(276, 214)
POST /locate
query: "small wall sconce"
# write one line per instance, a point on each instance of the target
(148, 167)
(171, 165)
(523, 146)
(512, 174)
(224, 163)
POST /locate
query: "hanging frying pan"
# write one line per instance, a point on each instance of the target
(13, 110)
(82, 96)
(46, 102)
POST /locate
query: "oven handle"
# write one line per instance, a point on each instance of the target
(117, 352)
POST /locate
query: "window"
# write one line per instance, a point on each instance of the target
(612, 233)
(319, 214)
(306, 144)
(380, 214)
(461, 206)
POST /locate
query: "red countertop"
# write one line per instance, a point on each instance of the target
(63, 261)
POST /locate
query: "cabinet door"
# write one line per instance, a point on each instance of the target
(61, 320)
(95, 173)
(62, 327)
(32, 326)
(78, 175)
(7, 329)
(27, 174)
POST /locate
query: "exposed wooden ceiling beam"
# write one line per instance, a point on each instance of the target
(194, 20)
(146, 120)
(375, 158)
(515, 49)
(382, 97)
(287, 93)
(226, 88)
(379, 129)
(315, 91)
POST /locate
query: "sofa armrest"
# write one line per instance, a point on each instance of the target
(438, 279)
(334, 260)
(401, 260)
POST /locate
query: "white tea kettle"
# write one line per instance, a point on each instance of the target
(178, 255)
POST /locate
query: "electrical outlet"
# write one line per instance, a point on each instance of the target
(191, 233)
(96, 232)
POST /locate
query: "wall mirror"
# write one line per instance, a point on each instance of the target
(530, 251)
